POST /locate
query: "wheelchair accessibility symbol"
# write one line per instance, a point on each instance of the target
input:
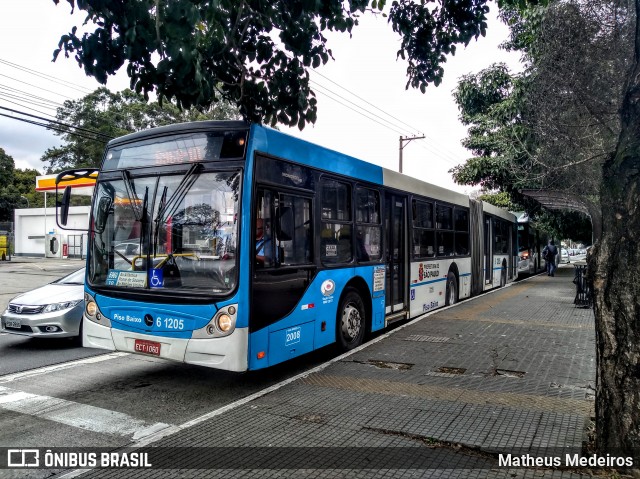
(156, 279)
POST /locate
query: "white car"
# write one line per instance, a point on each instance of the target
(564, 256)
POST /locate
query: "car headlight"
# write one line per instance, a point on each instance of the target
(50, 308)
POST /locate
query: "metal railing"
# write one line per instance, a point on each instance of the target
(584, 289)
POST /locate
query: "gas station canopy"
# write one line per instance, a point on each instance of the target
(81, 186)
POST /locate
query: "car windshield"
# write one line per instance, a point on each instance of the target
(175, 232)
(77, 277)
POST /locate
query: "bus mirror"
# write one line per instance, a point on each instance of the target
(64, 206)
(284, 231)
(102, 213)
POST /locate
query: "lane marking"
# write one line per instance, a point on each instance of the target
(82, 416)
(58, 367)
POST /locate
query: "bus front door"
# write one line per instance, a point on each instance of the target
(395, 213)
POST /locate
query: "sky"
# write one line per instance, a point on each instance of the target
(363, 108)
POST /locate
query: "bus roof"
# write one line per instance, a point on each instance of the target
(180, 127)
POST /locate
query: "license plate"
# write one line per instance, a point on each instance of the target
(147, 347)
(13, 323)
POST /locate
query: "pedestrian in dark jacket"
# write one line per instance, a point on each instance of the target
(549, 254)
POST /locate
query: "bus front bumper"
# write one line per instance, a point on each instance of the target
(229, 352)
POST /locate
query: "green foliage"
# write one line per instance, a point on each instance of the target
(431, 33)
(17, 187)
(103, 114)
(6, 168)
(501, 200)
(565, 224)
(255, 54)
(491, 104)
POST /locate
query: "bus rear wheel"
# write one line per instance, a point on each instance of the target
(452, 290)
(351, 321)
(503, 277)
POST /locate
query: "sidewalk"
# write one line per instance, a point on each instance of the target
(512, 371)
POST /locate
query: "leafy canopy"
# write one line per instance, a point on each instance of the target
(17, 187)
(255, 54)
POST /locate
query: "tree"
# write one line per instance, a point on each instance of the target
(491, 105)
(255, 53)
(7, 195)
(581, 113)
(617, 273)
(102, 115)
(15, 185)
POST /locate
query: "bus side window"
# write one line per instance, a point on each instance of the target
(368, 226)
(294, 248)
(263, 230)
(335, 240)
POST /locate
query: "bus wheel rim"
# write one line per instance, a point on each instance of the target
(351, 323)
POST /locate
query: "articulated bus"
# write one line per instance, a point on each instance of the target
(235, 246)
(531, 242)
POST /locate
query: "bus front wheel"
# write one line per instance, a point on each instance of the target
(351, 321)
(452, 289)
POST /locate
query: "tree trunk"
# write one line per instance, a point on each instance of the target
(616, 267)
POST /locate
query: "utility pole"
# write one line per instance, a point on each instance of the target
(403, 140)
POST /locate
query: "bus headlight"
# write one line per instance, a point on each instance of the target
(91, 309)
(223, 323)
(92, 312)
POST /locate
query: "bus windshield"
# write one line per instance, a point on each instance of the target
(169, 232)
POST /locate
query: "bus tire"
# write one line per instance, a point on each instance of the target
(351, 321)
(503, 277)
(452, 290)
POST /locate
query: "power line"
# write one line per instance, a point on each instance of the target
(66, 125)
(31, 99)
(328, 95)
(52, 127)
(367, 102)
(24, 106)
(50, 78)
(35, 86)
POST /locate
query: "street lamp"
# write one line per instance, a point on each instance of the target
(26, 199)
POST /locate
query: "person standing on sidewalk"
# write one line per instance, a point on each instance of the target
(549, 254)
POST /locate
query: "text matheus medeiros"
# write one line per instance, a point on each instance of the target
(566, 460)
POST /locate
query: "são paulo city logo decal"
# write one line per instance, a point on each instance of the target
(328, 287)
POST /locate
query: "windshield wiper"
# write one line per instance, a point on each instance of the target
(176, 198)
(156, 220)
(131, 191)
(168, 207)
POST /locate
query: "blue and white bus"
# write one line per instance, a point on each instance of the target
(235, 246)
(531, 242)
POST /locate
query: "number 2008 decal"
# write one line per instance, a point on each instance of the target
(292, 336)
